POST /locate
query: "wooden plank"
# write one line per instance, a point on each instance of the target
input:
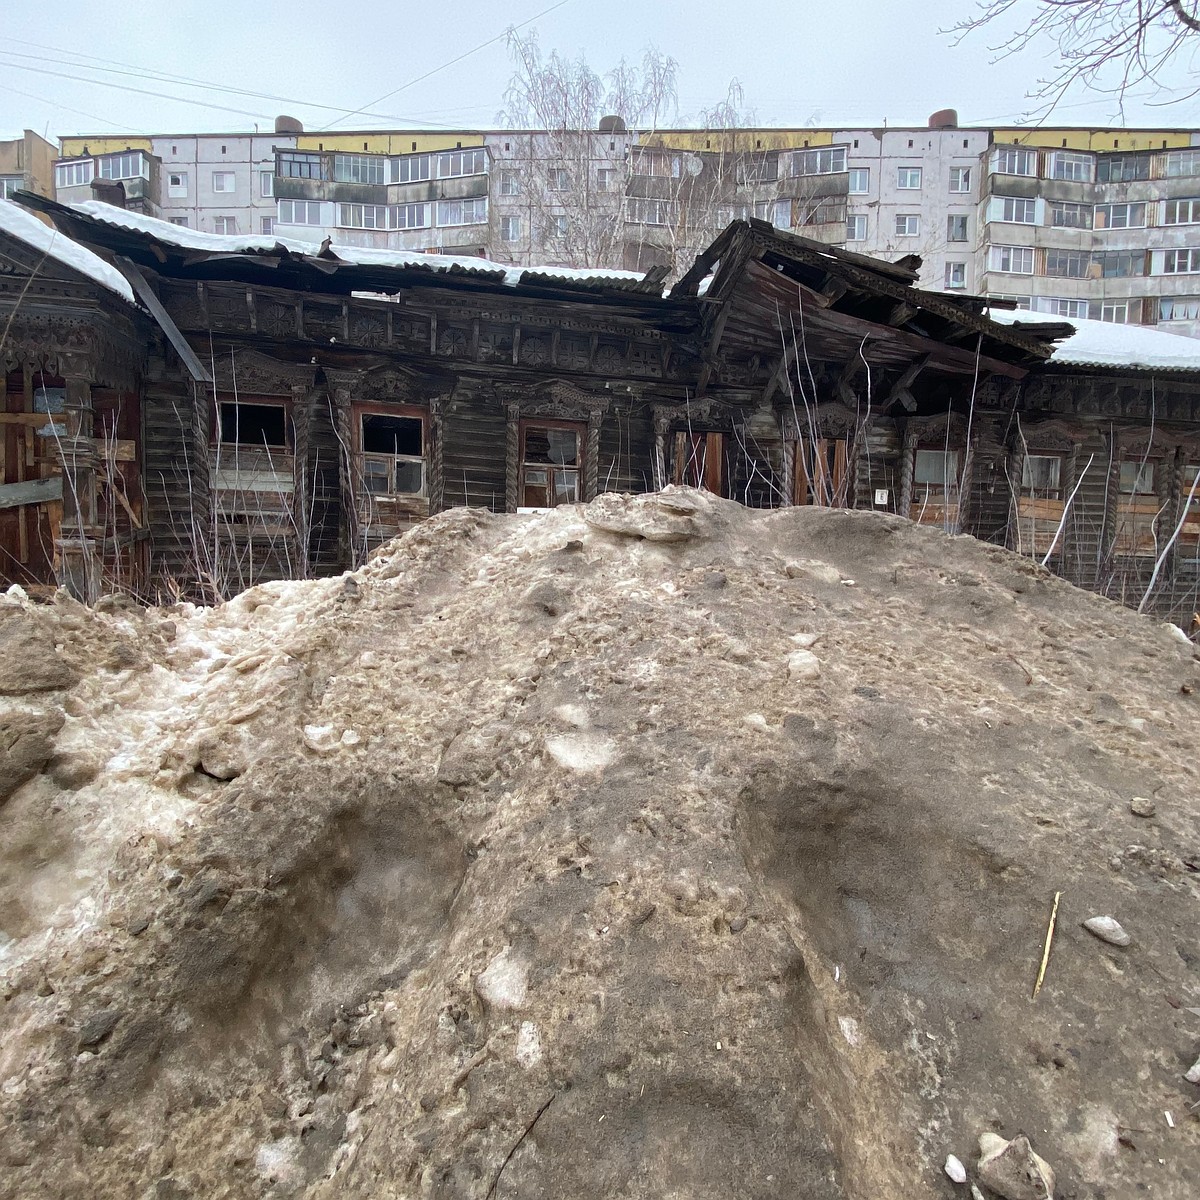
(31, 491)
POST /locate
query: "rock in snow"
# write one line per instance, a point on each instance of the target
(539, 874)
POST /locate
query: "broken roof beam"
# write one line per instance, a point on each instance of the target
(899, 390)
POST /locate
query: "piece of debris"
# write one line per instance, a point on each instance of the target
(955, 1169)
(1192, 1074)
(1013, 1170)
(1142, 806)
(1041, 975)
(1107, 929)
(803, 664)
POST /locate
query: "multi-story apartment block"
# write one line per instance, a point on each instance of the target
(1100, 223)
(27, 163)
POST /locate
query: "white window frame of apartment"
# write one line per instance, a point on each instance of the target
(226, 226)
(359, 168)
(1013, 160)
(1016, 211)
(1178, 163)
(1116, 312)
(956, 275)
(760, 209)
(266, 226)
(220, 179)
(510, 183)
(960, 179)
(177, 191)
(305, 210)
(605, 177)
(409, 216)
(1103, 258)
(856, 227)
(860, 181)
(362, 216)
(559, 226)
(908, 225)
(76, 173)
(130, 164)
(1127, 215)
(510, 229)
(1181, 212)
(558, 179)
(1011, 260)
(827, 160)
(182, 222)
(412, 168)
(657, 164)
(471, 211)
(1065, 306)
(1181, 262)
(1189, 306)
(908, 179)
(266, 184)
(965, 218)
(1072, 166)
(456, 164)
(10, 184)
(1064, 207)
(646, 211)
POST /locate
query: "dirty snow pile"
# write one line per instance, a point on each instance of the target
(653, 848)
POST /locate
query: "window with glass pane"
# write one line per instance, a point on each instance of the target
(1012, 160)
(1067, 215)
(936, 468)
(297, 165)
(360, 168)
(860, 181)
(550, 464)
(1137, 478)
(1041, 475)
(1122, 168)
(956, 227)
(1075, 167)
(393, 454)
(413, 168)
(960, 179)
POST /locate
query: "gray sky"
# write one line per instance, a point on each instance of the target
(800, 62)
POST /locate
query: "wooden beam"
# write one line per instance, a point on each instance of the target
(145, 293)
(899, 390)
(31, 491)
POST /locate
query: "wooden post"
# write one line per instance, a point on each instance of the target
(906, 470)
(79, 567)
(435, 449)
(512, 458)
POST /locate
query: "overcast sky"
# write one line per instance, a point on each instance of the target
(849, 63)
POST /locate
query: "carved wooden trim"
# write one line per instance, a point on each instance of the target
(512, 457)
(437, 455)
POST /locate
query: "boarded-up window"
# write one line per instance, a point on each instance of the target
(393, 454)
(1137, 506)
(700, 461)
(1040, 504)
(822, 473)
(550, 463)
(935, 488)
(1189, 533)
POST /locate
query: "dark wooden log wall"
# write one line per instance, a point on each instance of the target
(473, 456)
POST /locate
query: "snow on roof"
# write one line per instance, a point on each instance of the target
(1105, 344)
(362, 256)
(25, 227)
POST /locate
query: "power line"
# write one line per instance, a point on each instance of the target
(120, 87)
(66, 108)
(168, 77)
(421, 78)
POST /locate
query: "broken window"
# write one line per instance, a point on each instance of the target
(253, 424)
(1041, 475)
(935, 488)
(393, 454)
(550, 463)
(1040, 505)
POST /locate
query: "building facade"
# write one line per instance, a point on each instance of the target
(27, 163)
(1072, 222)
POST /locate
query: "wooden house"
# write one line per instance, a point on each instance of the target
(299, 405)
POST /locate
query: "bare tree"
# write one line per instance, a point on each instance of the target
(1105, 46)
(568, 176)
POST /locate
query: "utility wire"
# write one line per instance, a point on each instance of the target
(421, 78)
(186, 80)
(65, 107)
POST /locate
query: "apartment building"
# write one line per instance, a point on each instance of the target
(27, 163)
(1102, 224)
(1074, 222)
